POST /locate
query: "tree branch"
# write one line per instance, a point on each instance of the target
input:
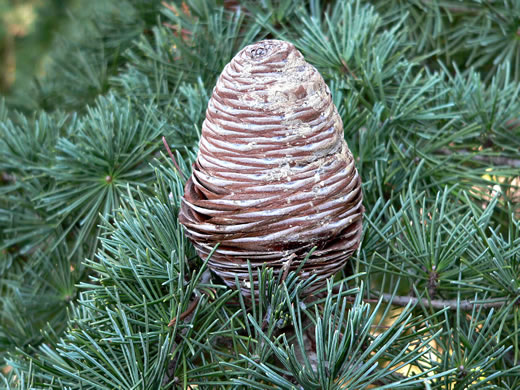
(188, 311)
(173, 158)
(451, 304)
(495, 160)
(455, 9)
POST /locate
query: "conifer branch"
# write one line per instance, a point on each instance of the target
(456, 9)
(494, 160)
(187, 312)
(439, 304)
(419, 87)
(172, 157)
(205, 277)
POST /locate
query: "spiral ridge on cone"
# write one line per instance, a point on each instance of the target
(274, 176)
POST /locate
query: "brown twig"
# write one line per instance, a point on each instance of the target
(204, 279)
(172, 157)
(451, 304)
(456, 9)
(267, 317)
(169, 376)
(366, 300)
(496, 160)
(186, 313)
(287, 265)
(347, 69)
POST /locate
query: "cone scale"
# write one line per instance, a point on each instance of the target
(274, 176)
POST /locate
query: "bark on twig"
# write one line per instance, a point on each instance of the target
(172, 157)
(456, 9)
(451, 304)
(186, 313)
(495, 160)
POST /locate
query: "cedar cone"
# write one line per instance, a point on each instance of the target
(274, 176)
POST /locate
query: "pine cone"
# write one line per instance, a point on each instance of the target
(274, 176)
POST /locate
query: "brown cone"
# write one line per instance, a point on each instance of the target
(274, 176)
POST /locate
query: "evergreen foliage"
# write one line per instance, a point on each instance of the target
(101, 289)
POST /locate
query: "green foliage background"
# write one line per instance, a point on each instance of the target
(100, 288)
